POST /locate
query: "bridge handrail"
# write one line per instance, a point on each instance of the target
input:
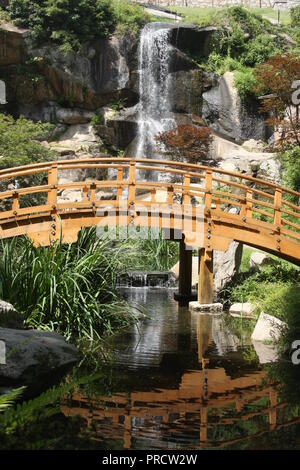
(238, 198)
(14, 172)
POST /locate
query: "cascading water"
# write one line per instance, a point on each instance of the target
(154, 115)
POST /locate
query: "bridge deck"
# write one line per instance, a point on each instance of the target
(209, 206)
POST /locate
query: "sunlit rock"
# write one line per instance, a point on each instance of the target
(266, 352)
(268, 328)
(242, 310)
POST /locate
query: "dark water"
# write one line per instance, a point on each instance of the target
(185, 381)
(179, 381)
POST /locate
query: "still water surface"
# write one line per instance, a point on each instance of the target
(185, 381)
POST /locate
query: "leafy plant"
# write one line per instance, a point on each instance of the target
(245, 82)
(65, 288)
(71, 23)
(275, 79)
(290, 160)
(185, 141)
(19, 141)
(9, 399)
(295, 16)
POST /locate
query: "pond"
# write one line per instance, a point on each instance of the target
(179, 380)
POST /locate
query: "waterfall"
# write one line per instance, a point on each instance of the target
(154, 115)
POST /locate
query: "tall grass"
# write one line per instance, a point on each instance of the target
(65, 288)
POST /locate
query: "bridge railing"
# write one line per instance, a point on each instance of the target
(147, 181)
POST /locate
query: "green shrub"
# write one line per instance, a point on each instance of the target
(242, 40)
(259, 50)
(244, 81)
(130, 18)
(71, 23)
(66, 288)
(274, 290)
(295, 16)
(291, 168)
(19, 141)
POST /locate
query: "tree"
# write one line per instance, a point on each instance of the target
(186, 142)
(277, 80)
(19, 142)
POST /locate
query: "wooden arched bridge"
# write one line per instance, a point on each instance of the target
(202, 207)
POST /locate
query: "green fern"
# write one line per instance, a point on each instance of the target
(9, 399)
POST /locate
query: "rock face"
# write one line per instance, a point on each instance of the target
(187, 90)
(226, 265)
(267, 328)
(224, 110)
(100, 73)
(238, 158)
(195, 40)
(32, 355)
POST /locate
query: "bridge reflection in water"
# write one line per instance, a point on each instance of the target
(221, 402)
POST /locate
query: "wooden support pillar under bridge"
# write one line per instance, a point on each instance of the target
(205, 293)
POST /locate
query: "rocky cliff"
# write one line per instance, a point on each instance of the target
(68, 89)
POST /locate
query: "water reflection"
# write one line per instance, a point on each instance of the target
(181, 381)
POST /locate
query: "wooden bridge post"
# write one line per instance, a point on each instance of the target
(52, 201)
(277, 208)
(206, 262)
(52, 182)
(205, 277)
(131, 183)
(185, 275)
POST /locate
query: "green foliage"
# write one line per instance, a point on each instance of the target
(148, 253)
(274, 289)
(130, 18)
(159, 254)
(66, 288)
(259, 49)
(291, 168)
(19, 142)
(97, 119)
(244, 81)
(295, 16)
(118, 104)
(243, 39)
(9, 399)
(71, 23)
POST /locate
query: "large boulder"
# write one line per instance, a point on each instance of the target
(187, 89)
(10, 317)
(242, 159)
(227, 265)
(267, 328)
(33, 354)
(242, 310)
(191, 38)
(224, 110)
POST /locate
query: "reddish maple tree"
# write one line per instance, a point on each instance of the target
(276, 80)
(186, 142)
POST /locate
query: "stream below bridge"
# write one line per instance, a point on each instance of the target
(179, 380)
